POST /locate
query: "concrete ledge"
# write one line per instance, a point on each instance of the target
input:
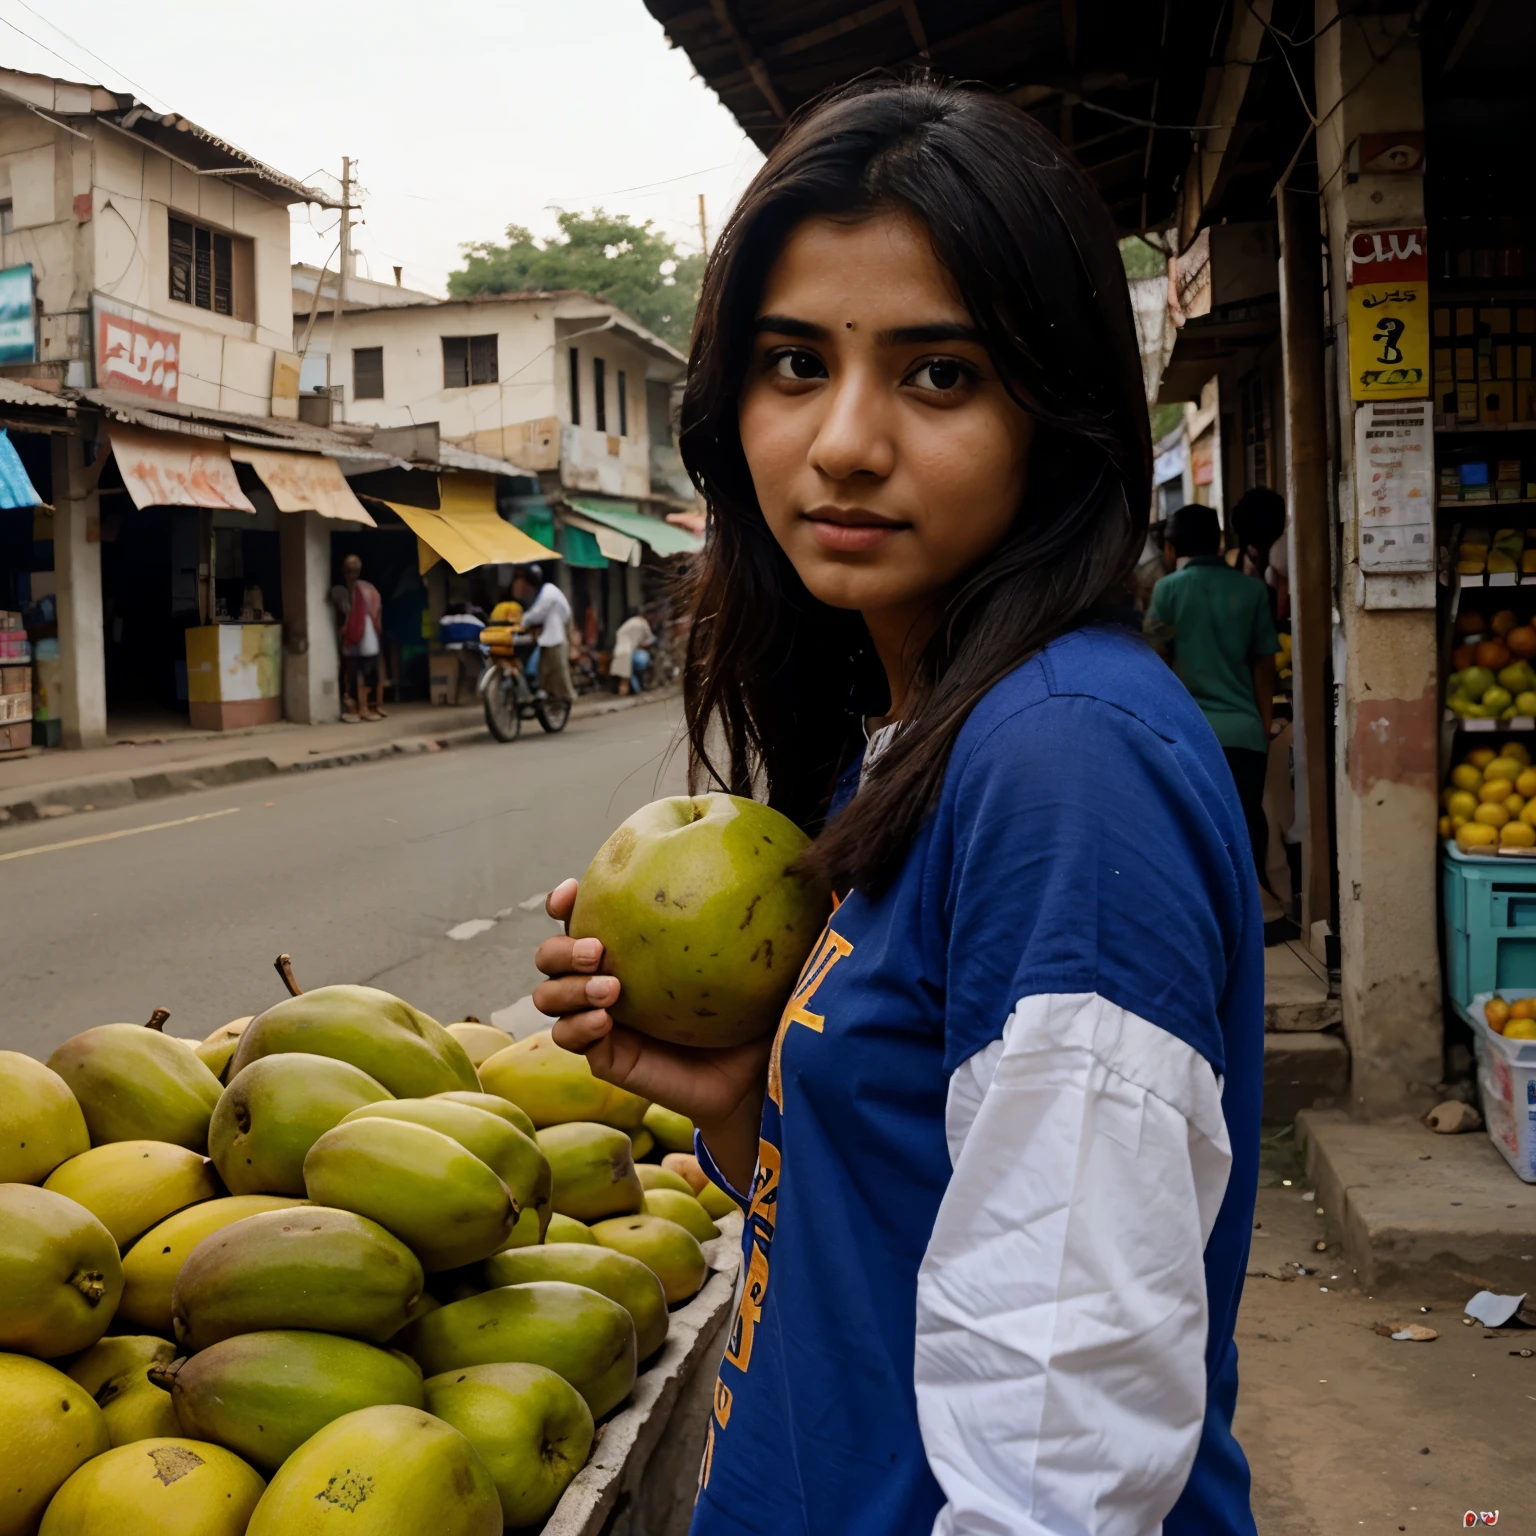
(1296, 992)
(1444, 1214)
(644, 1469)
(1303, 1071)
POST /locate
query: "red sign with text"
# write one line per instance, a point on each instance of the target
(1388, 256)
(133, 355)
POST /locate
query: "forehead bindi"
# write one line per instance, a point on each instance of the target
(860, 278)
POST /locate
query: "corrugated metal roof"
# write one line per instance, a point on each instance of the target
(462, 458)
(14, 392)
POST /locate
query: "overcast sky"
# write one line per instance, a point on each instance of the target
(464, 115)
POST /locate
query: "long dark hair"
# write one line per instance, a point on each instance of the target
(775, 679)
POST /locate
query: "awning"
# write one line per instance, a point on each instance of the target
(165, 469)
(466, 530)
(605, 543)
(628, 519)
(16, 488)
(584, 550)
(304, 482)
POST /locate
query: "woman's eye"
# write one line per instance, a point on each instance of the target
(799, 365)
(941, 376)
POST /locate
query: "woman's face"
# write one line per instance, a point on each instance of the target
(887, 456)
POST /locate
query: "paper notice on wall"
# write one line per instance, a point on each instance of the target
(1394, 485)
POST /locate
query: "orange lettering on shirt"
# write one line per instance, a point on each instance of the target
(709, 1458)
(765, 1187)
(722, 1403)
(750, 1313)
(831, 948)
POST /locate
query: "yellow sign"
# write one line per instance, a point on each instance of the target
(1389, 341)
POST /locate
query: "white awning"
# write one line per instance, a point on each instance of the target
(166, 469)
(304, 482)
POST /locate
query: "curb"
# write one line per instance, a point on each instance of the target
(110, 792)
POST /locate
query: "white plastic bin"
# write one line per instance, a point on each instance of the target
(1506, 1077)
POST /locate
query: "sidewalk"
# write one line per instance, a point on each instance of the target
(59, 783)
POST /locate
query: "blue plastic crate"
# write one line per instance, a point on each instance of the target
(1490, 925)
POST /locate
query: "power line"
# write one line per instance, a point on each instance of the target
(67, 63)
(93, 54)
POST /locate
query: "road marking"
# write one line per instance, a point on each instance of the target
(474, 926)
(107, 837)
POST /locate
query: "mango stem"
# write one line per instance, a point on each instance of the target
(157, 1019)
(284, 967)
(91, 1284)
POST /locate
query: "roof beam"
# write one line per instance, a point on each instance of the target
(915, 27)
(833, 29)
(754, 66)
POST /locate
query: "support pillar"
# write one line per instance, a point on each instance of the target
(1385, 729)
(77, 567)
(311, 656)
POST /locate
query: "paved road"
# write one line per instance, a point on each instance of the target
(359, 873)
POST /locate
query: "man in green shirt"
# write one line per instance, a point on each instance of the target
(1212, 625)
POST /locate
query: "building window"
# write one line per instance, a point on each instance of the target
(368, 373)
(202, 269)
(469, 360)
(1255, 425)
(7, 217)
(599, 394)
(575, 356)
(623, 404)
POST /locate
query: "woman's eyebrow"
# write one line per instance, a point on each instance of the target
(916, 335)
(787, 325)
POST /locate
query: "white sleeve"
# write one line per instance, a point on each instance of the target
(1061, 1304)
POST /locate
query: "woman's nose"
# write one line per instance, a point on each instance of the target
(855, 436)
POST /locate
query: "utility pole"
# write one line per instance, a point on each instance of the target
(333, 356)
(703, 227)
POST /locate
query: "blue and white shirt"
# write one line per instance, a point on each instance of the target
(996, 1237)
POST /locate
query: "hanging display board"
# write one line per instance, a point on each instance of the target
(1389, 323)
(1395, 482)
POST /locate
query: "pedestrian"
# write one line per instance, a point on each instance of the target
(360, 619)
(547, 615)
(998, 1161)
(631, 655)
(1212, 624)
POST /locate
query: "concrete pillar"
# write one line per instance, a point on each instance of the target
(77, 574)
(1386, 757)
(311, 657)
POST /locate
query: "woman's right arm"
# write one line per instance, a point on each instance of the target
(721, 1091)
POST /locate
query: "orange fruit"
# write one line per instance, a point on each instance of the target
(1521, 641)
(1492, 654)
(1470, 622)
(1496, 1011)
(1523, 1008)
(1502, 622)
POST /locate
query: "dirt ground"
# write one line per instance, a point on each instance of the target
(1349, 1431)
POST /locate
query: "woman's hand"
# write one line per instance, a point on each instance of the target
(721, 1091)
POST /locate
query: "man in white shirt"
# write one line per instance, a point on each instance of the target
(547, 615)
(631, 654)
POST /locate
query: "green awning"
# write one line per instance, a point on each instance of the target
(627, 518)
(537, 521)
(580, 549)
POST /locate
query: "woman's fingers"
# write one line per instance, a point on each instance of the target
(579, 1032)
(575, 994)
(561, 956)
(559, 902)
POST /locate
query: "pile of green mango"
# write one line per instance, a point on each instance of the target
(335, 1258)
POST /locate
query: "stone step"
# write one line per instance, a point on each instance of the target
(1303, 1071)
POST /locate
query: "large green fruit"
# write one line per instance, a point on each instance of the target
(396, 1045)
(654, 1176)
(714, 1199)
(274, 1111)
(683, 1209)
(435, 1196)
(129, 1186)
(216, 1051)
(150, 1267)
(673, 1132)
(609, 1273)
(60, 1276)
(553, 1085)
(700, 917)
(569, 1329)
(672, 1254)
(594, 1170)
(566, 1229)
(303, 1268)
(381, 1472)
(173, 1486)
(135, 1084)
(48, 1427)
(495, 1104)
(479, 1040)
(40, 1120)
(513, 1157)
(533, 1431)
(116, 1374)
(262, 1395)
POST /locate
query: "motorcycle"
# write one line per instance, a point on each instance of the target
(505, 691)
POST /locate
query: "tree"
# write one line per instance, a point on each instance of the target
(629, 265)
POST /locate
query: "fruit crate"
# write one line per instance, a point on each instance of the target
(1490, 926)
(1506, 1078)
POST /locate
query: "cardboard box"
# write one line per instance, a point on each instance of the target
(1496, 401)
(15, 706)
(16, 679)
(1466, 402)
(443, 678)
(15, 736)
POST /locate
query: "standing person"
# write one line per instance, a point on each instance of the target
(998, 1174)
(1212, 625)
(630, 654)
(548, 616)
(360, 618)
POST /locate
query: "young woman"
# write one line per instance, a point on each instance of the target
(998, 1161)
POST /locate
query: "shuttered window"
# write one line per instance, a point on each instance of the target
(622, 383)
(368, 373)
(202, 267)
(469, 360)
(600, 394)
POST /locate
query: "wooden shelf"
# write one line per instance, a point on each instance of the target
(1508, 501)
(1478, 427)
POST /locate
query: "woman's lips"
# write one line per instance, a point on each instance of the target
(850, 532)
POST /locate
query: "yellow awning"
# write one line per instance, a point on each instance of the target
(466, 530)
(172, 469)
(304, 482)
